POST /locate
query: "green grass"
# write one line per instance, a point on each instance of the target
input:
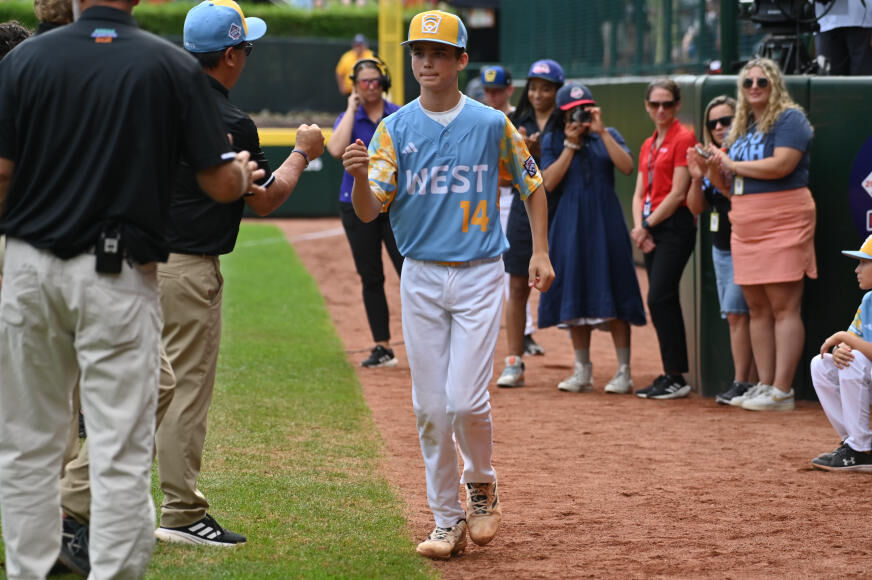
(292, 454)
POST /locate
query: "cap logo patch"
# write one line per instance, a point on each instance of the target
(490, 75)
(541, 68)
(530, 166)
(576, 92)
(235, 32)
(430, 24)
(104, 35)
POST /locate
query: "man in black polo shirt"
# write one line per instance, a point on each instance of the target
(217, 33)
(94, 118)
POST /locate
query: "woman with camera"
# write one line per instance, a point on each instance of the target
(665, 231)
(595, 283)
(702, 195)
(773, 215)
(366, 108)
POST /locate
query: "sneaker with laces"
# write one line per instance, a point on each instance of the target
(581, 380)
(206, 532)
(531, 347)
(829, 453)
(380, 357)
(643, 393)
(674, 387)
(769, 398)
(749, 394)
(442, 543)
(844, 459)
(483, 511)
(737, 389)
(513, 374)
(74, 549)
(621, 383)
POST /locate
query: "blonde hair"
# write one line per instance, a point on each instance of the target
(716, 102)
(779, 100)
(54, 11)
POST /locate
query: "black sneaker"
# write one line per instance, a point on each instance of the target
(531, 347)
(844, 459)
(829, 453)
(205, 532)
(74, 550)
(737, 389)
(674, 387)
(643, 393)
(380, 357)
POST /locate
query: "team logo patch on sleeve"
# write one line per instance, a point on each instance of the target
(530, 166)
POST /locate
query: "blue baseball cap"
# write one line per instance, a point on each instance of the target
(213, 25)
(572, 95)
(547, 69)
(495, 77)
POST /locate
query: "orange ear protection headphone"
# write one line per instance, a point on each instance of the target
(384, 79)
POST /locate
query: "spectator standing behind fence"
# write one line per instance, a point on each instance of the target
(534, 116)
(665, 231)
(595, 283)
(366, 108)
(842, 377)
(359, 49)
(773, 217)
(702, 194)
(845, 37)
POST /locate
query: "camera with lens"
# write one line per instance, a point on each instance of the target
(580, 115)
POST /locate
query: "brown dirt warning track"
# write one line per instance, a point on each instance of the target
(613, 486)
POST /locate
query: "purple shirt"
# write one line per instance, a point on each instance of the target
(362, 129)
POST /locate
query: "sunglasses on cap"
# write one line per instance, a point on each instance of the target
(762, 83)
(658, 104)
(724, 121)
(246, 46)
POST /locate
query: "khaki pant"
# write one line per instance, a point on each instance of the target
(59, 319)
(75, 484)
(191, 290)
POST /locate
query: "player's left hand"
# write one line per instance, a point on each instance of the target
(596, 120)
(541, 272)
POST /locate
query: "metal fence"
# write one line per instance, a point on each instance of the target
(618, 37)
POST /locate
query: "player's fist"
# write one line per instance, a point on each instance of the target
(310, 140)
(541, 272)
(356, 160)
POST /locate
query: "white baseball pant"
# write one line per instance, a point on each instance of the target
(451, 321)
(844, 395)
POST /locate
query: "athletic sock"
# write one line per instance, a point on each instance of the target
(623, 355)
(582, 356)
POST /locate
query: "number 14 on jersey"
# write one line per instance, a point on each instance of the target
(479, 216)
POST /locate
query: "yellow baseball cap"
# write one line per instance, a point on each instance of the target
(437, 26)
(864, 253)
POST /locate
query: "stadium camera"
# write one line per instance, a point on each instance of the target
(785, 21)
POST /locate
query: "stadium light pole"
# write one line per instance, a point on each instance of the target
(390, 35)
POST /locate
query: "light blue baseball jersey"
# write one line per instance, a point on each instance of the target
(441, 183)
(862, 324)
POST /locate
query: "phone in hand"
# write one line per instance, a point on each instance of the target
(703, 152)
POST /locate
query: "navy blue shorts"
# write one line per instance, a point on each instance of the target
(517, 259)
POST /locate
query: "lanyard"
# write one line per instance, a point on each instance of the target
(652, 159)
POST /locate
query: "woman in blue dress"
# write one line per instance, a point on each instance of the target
(595, 283)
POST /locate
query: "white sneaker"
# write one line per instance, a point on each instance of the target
(513, 374)
(581, 380)
(442, 543)
(621, 383)
(770, 399)
(749, 394)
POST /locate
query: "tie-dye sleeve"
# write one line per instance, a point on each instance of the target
(856, 327)
(516, 160)
(383, 166)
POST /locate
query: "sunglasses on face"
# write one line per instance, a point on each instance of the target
(762, 82)
(724, 122)
(666, 105)
(246, 46)
(368, 83)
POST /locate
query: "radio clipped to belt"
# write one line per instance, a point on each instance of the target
(109, 250)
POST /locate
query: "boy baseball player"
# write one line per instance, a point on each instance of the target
(436, 163)
(843, 379)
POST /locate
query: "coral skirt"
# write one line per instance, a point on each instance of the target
(773, 237)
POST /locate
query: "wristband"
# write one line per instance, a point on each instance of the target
(646, 225)
(570, 145)
(301, 152)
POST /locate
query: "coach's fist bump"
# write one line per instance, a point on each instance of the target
(310, 140)
(356, 160)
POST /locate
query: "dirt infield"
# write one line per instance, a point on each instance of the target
(597, 485)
